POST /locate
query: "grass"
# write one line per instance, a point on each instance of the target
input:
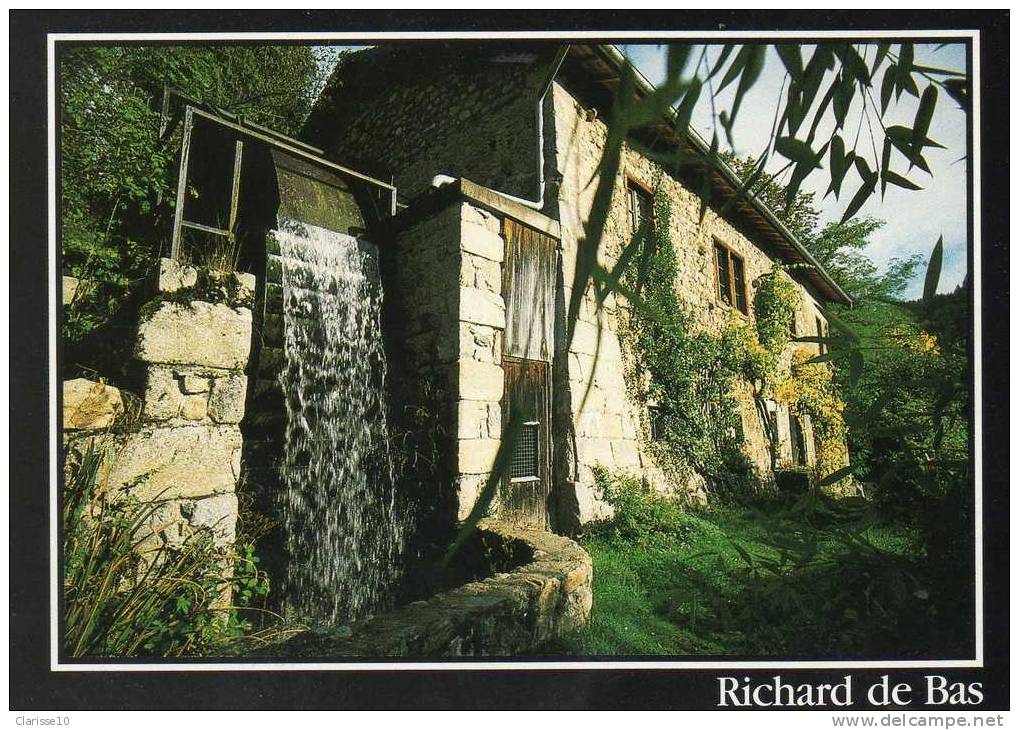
(815, 580)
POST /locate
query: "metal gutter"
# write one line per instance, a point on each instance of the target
(616, 57)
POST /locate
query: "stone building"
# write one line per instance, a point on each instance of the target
(483, 259)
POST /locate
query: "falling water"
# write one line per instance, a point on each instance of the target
(343, 531)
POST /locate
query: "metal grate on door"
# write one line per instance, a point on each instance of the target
(525, 464)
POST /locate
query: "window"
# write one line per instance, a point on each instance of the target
(641, 206)
(822, 331)
(656, 422)
(525, 464)
(731, 279)
(798, 443)
(792, 325)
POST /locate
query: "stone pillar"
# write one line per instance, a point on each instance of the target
(193, 341)
(477, 372)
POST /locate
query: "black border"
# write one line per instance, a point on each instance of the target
(33, 686)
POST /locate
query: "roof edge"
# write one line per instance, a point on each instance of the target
(615, 56)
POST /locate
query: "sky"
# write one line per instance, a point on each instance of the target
(914, 219)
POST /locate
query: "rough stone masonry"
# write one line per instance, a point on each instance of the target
(184, 450)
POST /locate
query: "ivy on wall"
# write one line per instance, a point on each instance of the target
(686, 378)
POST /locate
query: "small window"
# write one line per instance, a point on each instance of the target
(798, 443)
(731, 278)
(641, 207)
(656, 423)
(822, 331)
(792, 325)
(525, 464)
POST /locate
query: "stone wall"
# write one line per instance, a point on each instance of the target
(412, 112)
(420, 271)
(609, 427)
(481, 320)
(508, 614)
(447, 320)
(183, 450)
(454, 109)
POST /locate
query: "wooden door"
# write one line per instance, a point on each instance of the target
(528, 290)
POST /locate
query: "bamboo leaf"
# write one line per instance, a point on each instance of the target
(887, 87)
(676, 59)
(798, 151)
(751, 72)
(727, 50)
(924, 113)
(855, 65)
(866, 189)
(712, 165)
(792, 59)
(886, 159)
(856, 366)
(899, 181)
(685, 110)
(882, 53)
(930, 284)
(736, 67)
(843, 99)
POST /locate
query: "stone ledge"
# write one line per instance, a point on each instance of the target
(508, 614)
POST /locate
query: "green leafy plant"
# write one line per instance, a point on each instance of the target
(641, 516)
(684, 377)
(116, 171)
(125, 593)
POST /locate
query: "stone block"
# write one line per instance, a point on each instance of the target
(218, 514)
(478, 419)
(482, 307)
(89, 405)
(226, 401)
(480, 273)
(182, 461)
(69, 289)
(173, 276)
(481, 218)
(478, 381)
(475, 456)
(163, 397)
(195, 407)
(245, 294)
(482, 242)
(191, 384)
(480, 342)
(200, 333)
(468, 487)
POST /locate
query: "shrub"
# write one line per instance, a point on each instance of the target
(642, 516)
(124, 599)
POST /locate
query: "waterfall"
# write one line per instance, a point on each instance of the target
(343, 530)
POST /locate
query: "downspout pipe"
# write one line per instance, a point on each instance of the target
(440, 180)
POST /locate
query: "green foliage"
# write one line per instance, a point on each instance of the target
(838, 245)
(776, 300)
(126, 594)
(686, 376)
(642, 516)
(116, 172)
(812, 577)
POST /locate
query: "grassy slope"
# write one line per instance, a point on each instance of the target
(768, 582)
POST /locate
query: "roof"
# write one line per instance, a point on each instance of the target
(595, 72)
